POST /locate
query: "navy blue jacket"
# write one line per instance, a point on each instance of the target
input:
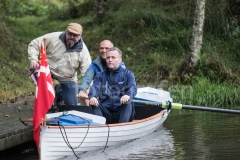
(110, 85)
(95, 67)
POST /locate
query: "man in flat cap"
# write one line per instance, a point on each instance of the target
(66, 54)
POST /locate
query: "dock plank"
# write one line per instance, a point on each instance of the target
(12, 131)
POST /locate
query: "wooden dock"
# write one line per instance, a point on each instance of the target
(12, 131)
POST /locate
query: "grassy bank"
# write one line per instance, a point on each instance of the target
(154, 37)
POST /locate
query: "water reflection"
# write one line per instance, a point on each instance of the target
(26, 151)
(158, 144)
(184, 135)
(205, 135)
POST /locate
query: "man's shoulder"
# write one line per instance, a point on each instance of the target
(123, 65)
(54, 37)
(55, 33)
(96, 64)
(97, 60)
(127, 71)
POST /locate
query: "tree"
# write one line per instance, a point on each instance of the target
(101, 5)
(196, 40)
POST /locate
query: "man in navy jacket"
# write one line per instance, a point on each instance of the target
(112, 90)
(98, 65)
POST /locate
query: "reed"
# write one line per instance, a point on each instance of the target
(202, 92)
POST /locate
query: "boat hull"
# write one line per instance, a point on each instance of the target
(54, 139)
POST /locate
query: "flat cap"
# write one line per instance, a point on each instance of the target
(75, 28)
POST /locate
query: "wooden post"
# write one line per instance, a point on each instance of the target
(44, 119)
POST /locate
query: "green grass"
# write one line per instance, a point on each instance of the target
(154, 37)
(204, 93)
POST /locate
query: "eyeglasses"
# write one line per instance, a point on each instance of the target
(73, 35)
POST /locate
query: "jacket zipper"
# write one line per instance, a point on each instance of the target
(112, 79)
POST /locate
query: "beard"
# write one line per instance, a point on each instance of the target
(70, 43)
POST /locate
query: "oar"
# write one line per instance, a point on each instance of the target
(181, 106)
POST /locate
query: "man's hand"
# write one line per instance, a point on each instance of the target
(93, 102)
(124, 99)
(33, 65)
(82, 95)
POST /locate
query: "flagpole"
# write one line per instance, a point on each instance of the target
(44, 120)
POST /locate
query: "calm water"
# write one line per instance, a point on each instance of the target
(184, 135)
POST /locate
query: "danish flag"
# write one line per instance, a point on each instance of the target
(44, 95)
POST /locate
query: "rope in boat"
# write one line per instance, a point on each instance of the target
(68, 143)
(66, 140)
(109, 131)
(107, 138)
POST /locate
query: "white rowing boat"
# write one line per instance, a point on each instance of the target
(58, 141)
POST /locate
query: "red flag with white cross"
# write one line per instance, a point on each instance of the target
(44, 95)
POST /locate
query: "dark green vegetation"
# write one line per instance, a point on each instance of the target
(153, 35)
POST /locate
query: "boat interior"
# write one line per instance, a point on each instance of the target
(141, 111)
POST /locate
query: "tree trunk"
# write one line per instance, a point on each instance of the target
(196, 40)
(101, 4)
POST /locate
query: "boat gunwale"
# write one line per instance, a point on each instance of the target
(115, 124)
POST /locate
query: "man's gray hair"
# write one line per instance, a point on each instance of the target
(115, 49)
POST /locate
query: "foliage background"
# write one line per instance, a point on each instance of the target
(153, 35)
